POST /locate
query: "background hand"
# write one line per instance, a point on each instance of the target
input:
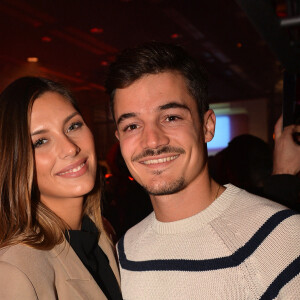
(286, 156)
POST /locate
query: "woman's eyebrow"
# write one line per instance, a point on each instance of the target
(67, 119)
(39, 132)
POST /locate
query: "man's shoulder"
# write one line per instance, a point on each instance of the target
(135, 233)
(249, 213)
(138, 229)
(252, 205)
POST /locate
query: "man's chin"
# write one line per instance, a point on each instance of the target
(165, 188)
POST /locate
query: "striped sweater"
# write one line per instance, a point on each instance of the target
(240, 247)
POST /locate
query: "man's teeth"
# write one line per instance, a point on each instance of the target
(73, 170)
(159, 160)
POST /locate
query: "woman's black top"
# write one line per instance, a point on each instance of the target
(85, 244)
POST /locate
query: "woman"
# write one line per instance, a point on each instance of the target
(48, 192)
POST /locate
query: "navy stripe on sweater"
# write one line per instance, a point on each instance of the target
(207, 264)
(291, 271)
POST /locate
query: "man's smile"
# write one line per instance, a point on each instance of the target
(159, 160)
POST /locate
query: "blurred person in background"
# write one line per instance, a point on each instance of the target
(248, 163)
(284, 184)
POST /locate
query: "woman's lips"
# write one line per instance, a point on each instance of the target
(74, 170)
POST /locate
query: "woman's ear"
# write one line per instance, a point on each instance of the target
(209, 125)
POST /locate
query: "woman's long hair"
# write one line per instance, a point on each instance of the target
(23, 217)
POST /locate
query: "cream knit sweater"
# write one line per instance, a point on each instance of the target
(240, 247)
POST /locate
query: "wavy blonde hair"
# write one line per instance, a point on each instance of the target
(23, 218)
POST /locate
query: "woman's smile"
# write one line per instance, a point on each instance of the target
(64, 149)
(75, 170)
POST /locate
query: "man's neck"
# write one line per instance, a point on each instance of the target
(197, 196)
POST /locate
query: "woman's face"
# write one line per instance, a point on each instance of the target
(65, 156)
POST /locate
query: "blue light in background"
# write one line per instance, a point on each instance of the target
(222, 134)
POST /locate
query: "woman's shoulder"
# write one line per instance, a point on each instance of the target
(12, 277)
(17, 250)
(27, 268)
(25, 258)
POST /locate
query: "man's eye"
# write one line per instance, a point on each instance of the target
(74, 126)
(131, 127)
(172, 118)
(39, 142)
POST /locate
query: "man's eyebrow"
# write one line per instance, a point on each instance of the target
(67, 119)
(125, 116)
(173, 105)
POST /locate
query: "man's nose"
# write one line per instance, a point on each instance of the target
(154, 137)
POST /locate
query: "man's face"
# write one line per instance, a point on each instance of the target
(161, 137)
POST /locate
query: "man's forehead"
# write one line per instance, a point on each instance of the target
(157, 109)
(152, 93)
(165, 84)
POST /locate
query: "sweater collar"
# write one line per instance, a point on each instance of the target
(200, 219)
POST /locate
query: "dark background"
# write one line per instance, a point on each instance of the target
(241, 43)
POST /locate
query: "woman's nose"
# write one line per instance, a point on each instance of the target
(68, 148)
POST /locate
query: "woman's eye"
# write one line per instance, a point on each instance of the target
(39, 142)
(130, 127)
(74, 126)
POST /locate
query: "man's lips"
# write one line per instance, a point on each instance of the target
(73, 168)
(161, 160)
(161, 153)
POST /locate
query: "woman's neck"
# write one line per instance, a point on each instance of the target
(69, 210)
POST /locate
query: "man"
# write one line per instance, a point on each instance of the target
(203, 240)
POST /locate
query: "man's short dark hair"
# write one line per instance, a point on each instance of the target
(154, 58)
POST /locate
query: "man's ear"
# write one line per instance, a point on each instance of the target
(117, 134)
(209, 125)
